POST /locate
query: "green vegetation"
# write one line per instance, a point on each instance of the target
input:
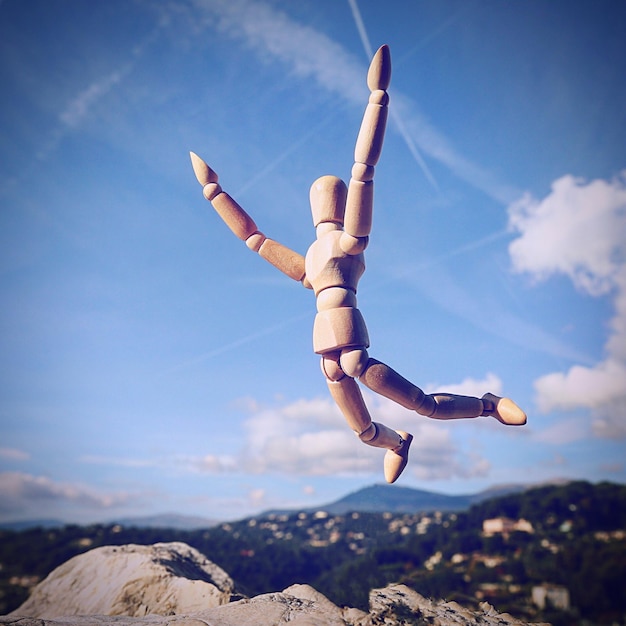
(574, 539)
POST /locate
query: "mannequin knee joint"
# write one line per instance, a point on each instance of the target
(369, 433)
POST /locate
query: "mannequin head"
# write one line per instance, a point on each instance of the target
(328, 200)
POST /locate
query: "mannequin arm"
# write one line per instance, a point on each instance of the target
(369, 144)
(287, 261)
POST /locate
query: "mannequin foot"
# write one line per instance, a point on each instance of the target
(504, 410)
(396, 459)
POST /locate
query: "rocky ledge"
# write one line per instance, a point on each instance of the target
(172, 584)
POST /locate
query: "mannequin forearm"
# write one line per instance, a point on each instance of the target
(243, 226)
(369, 145)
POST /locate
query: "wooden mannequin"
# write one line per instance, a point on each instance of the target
(332, 267)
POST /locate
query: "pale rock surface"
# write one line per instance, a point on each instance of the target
(135, 580)
(174, 585)
(395, 601)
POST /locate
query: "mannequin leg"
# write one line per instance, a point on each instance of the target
(387, 382)
(347, 395)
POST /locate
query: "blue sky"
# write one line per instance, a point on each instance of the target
(150, 362)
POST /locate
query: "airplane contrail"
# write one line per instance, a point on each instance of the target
(360, 25)
(270, 330)
(397, 120)
(281, 157)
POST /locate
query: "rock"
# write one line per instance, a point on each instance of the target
(299, 605)
(171, 584)
(396, 603)
(346, 615)
(134, 580)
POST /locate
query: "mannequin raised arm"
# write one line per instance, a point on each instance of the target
(287, 261)
(369, 144)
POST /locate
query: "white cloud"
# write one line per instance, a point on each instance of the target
(435, 456)
(22, 493)
(307, 437)
(311, 438)
(470, 386)
(588, 387)
(579, 230)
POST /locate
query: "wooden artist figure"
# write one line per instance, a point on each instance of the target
(332, 267)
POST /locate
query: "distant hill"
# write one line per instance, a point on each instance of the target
(34, 523)
(394, 499)
(173, 521)
(382, 498)
(167, 520)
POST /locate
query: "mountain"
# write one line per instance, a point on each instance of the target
(34, 523)
(394, 499)
(383, 498)
(498, 491)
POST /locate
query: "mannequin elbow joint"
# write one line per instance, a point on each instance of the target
(255, 241)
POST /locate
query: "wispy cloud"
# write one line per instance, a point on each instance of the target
(13, 454)
(305, 52)
(81, 104)
(262, 174)
(237, 343)
(456, 298)
(464, 8)
(563, 432)
(78, 108)
(117, 461)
